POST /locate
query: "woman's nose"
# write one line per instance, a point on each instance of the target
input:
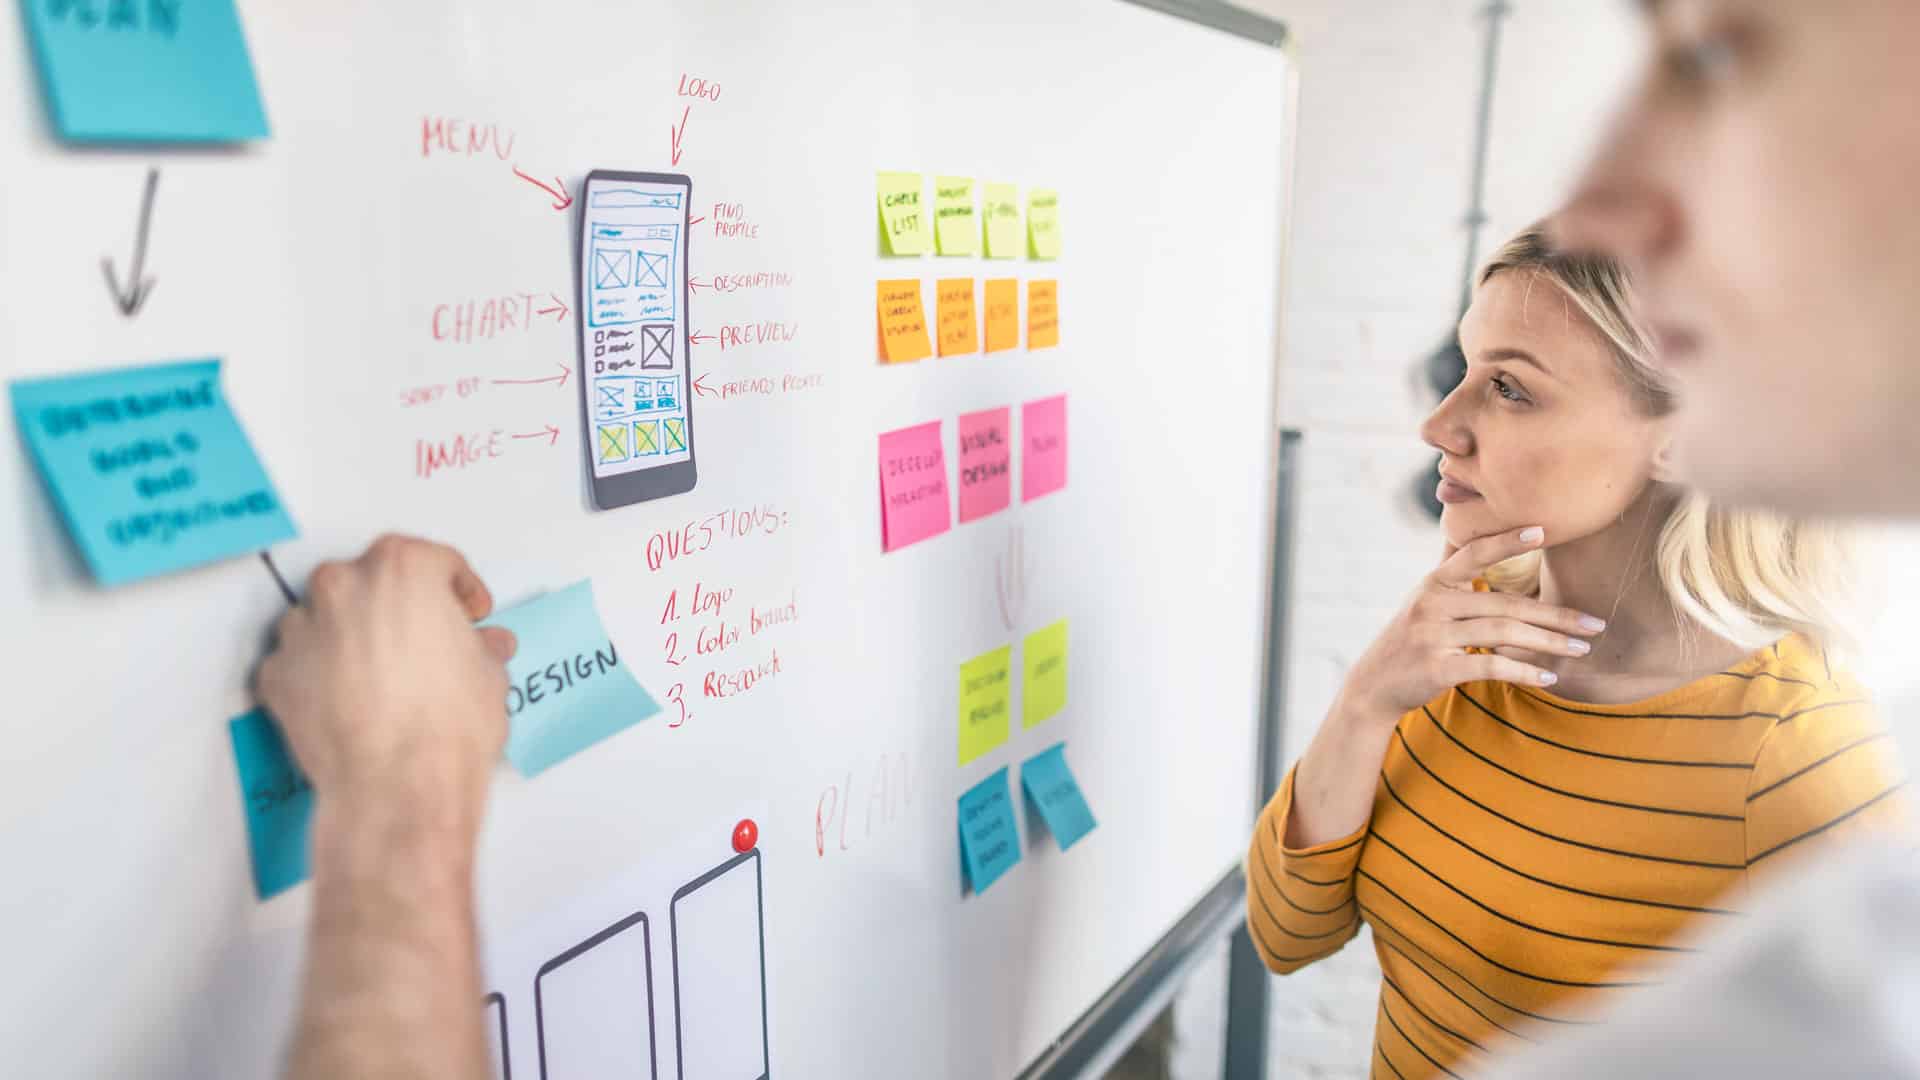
(1445, 428)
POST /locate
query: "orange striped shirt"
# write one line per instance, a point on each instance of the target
(1530, 857)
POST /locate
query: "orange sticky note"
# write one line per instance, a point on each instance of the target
(959, 329)
(1003, 314)
(1043, 314)
(903, 322)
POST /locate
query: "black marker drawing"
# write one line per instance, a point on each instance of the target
(138, 287)
(720, 973)
(586, 1006)
(496, 1003)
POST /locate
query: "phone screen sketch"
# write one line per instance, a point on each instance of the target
(632, 291)
(593, 1007)
(494, 1006)
(720, 974)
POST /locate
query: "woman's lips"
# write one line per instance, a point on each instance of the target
(1453, 491)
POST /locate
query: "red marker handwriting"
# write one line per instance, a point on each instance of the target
(560, 378)
(561, 200)
(551, 434)
(679, 130)
(700, 386)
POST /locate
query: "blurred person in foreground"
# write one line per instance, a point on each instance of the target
(1761, 184)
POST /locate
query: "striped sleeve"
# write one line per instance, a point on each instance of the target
(1826, 771)
(1299, 903)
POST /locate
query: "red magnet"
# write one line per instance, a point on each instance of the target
(745, 835)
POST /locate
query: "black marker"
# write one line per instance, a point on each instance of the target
(285, 589)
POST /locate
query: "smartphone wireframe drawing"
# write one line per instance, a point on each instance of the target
(593, 1006)
(720, 973)
(495, 1006)
(636, 389)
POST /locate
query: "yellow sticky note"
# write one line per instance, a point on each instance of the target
(983, 702)
(1043, 314)
(1043, 223)
(1003, 314)
(1000, 210)
(903, 322)
(1043, 692)
(959, 328)
(902, 223)
(956, 229)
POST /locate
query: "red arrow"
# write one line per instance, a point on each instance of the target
(559, 306)
(692, 221)
(561, 200)
(679, 131)
(560, 378)
(702, 390)
(696, 338)
(552, 435)
(696, 284)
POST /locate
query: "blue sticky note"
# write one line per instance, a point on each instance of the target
(149, 468)
(278, 799)
(1050, 784)
(146, 70)
(989, 838)
(569, 689)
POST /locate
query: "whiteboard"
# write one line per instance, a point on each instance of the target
(315, 263)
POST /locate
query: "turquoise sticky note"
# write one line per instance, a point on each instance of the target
(278, 800)
(1050, 785)
(989, 838)
(146, 70)
(569, 689)
(149, 468)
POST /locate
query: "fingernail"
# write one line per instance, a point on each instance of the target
(1588, 622)
(1532, 534)
(1548, 678)
(1579, 647)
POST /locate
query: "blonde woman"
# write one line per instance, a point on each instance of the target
(1608, 709)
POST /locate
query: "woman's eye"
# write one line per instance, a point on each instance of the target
(1507, 389)
(1703, 63)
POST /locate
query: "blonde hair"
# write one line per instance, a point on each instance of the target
(1749, 576)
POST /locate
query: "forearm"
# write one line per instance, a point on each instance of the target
(392, 986)
(1335, 781)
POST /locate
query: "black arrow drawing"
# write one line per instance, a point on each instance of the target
(138, 287)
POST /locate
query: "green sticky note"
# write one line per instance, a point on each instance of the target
(1043, 692)
(1000, 210)
(1043, 223)
(983, 702)
(902, 224)
(955, 228)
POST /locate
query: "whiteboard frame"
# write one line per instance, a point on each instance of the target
(1105, 1031)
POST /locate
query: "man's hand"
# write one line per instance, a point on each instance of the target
(386, 690)
(395, 705)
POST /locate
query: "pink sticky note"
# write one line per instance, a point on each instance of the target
(913, 486)
(986, 460)
(1043, 430)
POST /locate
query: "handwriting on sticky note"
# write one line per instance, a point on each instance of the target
(278, 803)
(959, 327)
(1043, 223)
(568, 688)
(1043, 314)
(158, 70)
(1000, 211)
(913, 486)
(984, 695)
(1003, 314)
(903, 322)
(956, 229)
(989, 834)
(1043, 456)
(902, 223)
(1043, 691)
(1054, 792)
(149, 467)
(986, 462)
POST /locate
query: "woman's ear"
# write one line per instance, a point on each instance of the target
(1663, 467)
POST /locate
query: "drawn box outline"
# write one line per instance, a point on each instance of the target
(646, 944)
(620, 430)
(605, 268)
(656, 339)
(653, 438)
(673, 923)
